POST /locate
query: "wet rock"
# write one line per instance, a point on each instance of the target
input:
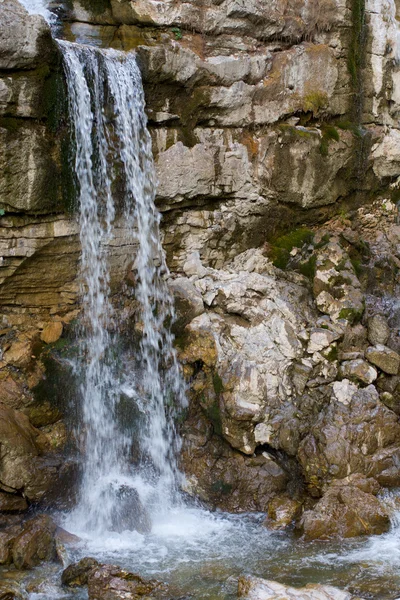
(42, 413)
(21, 466)
(188, 302)
(12, 503)
(282, 511)
(384, 358)
(7, 538)
(77, 574)
(52, 332)
(129, 512)
(109, 582)
(378, 330)
(358, 370)
(361, 437)
(344, 512)
(11, 590)
(254, 588)
(36, 543)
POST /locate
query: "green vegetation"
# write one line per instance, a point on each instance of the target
(283, 245)
(314, 102)
(178, 33)
(329, 133)
(308, 268)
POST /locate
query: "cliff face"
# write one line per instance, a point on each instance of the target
(276, 138)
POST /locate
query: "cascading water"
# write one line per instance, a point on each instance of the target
(97, 79)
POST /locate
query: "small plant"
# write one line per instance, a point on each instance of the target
(314, 102)
(178, 33)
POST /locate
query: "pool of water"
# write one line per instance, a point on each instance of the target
(201, 554)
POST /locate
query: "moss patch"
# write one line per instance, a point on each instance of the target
(283, 245)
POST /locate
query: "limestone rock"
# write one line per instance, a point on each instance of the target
(344, 512)
(320, 339)
(359, 370)
(36, 543)
(282, 511)
(21, 465)
(77, 574)
(19, 354)
(254, 588)
(52, 332)
(378, 330)
(344, 390)
(188, 302)
(384, 358)
(109, 582)
(25, 39)
(344, 440)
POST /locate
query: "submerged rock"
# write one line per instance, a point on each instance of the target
(254, 588)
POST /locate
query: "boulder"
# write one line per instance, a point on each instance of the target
(12, 590)
(361, 437)
(109, 582)
(35, 543)
(7, 538)
(255, 588)
(52, 332)
(25, 40)
(344, 512)
(282, 512)
(358, 370)
(378, 330)
(77, 574)
(384, 358)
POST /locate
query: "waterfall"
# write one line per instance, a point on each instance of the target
(112, 143)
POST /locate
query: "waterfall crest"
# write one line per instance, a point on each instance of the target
(112, 144)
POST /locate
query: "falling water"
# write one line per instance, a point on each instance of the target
(106, 105)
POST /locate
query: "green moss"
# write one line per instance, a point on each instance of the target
(221, 487)
(214, 414)
(217, 383)
(331, 354)
(351, 314)
(357, 266)
(329, 133)
(283, 245)
(314, 102)
(324, 241)
(308, 268)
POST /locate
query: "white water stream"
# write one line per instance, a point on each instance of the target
(106, 106)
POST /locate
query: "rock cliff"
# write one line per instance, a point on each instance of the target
(277, 145)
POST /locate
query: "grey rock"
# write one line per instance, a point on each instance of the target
(384, 358)
(378, 330)
(359, 370)
(25, 39)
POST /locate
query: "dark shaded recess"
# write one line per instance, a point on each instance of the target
(296, 487)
